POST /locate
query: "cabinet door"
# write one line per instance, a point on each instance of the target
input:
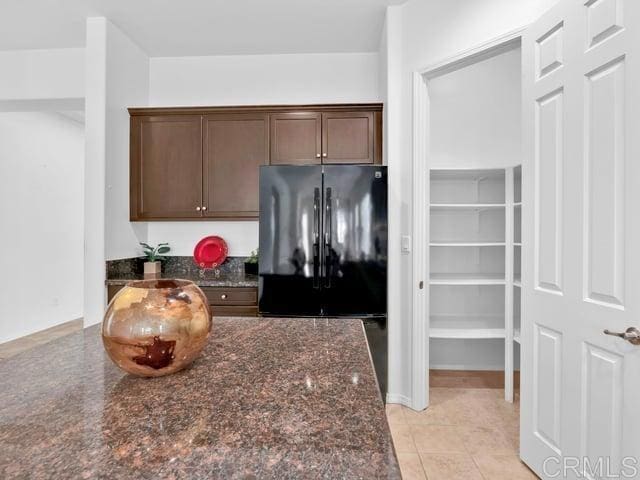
(235, 145)
(348, 137)
(166, 167)
(296, 138)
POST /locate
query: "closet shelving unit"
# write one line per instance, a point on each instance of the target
(474, 257)
(517, 251)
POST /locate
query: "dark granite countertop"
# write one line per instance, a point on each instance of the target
(229, 274)
(203, 278)
(267, 399)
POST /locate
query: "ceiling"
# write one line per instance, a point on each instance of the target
(201, 27)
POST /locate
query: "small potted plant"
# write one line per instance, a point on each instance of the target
(251, 264)
(154, 255)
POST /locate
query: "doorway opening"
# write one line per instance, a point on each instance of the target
(42, 214)
(467, 254)
(474, 221)
(467, 215)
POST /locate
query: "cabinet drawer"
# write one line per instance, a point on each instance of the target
(112, 290)
(231, 296)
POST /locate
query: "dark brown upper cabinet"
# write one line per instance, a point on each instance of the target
(348, 137)
(307, 138)
(194, 163)
(235, 145)
(296, 138)
(166, 167)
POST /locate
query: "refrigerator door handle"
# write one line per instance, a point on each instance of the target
(316, 238)
(328, 231)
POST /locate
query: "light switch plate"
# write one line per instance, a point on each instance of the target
(405, 244)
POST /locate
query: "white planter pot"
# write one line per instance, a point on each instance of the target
(152, 268)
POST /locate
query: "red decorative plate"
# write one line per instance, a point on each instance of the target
(210, 252)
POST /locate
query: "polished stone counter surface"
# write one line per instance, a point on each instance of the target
(229, 274)
(267, 399)
(204, 279)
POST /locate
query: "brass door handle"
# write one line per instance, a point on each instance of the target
(631, 335)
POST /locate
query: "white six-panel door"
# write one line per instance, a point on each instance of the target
(581, 241)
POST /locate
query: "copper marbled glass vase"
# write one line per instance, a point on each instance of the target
(156, 327)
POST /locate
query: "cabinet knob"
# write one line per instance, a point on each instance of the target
(317, 155)
(198, 209)
(204, 209)
(223, 296)
(324, 155)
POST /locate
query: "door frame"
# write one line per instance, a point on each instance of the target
(420, 221)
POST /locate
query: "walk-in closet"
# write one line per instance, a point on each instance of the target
(475, 204)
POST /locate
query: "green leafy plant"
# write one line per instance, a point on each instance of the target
(253, 258)
(154, 254)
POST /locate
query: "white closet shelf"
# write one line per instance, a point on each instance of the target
(517, 282)
(475, 208)
(466, 173)
(466, 206)
(465, 333)
(467, 279)
(516, 335)
(467, 244)
(517, 244)
(466, 321)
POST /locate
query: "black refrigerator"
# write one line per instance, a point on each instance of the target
(323, 246)
(323, 240)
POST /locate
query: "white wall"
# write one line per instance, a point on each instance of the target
(127, 84)
(429, 32)
(399, 337)
(41, 218)
(241, 237)
(264, 79)
(434, 31)
(383, 63)
(475, 115)
(253, 80)
(117, 75)
(29, 75)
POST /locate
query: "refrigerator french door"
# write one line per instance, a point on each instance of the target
(323, 240)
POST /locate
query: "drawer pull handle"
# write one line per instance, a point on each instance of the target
(223, 296)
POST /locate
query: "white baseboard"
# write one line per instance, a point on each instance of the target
(498, 368)
(89, 323)
(400, 399)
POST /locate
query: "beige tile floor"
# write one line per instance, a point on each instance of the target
(466, 433)
(14, 347)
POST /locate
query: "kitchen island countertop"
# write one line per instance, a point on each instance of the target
(267, 398)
